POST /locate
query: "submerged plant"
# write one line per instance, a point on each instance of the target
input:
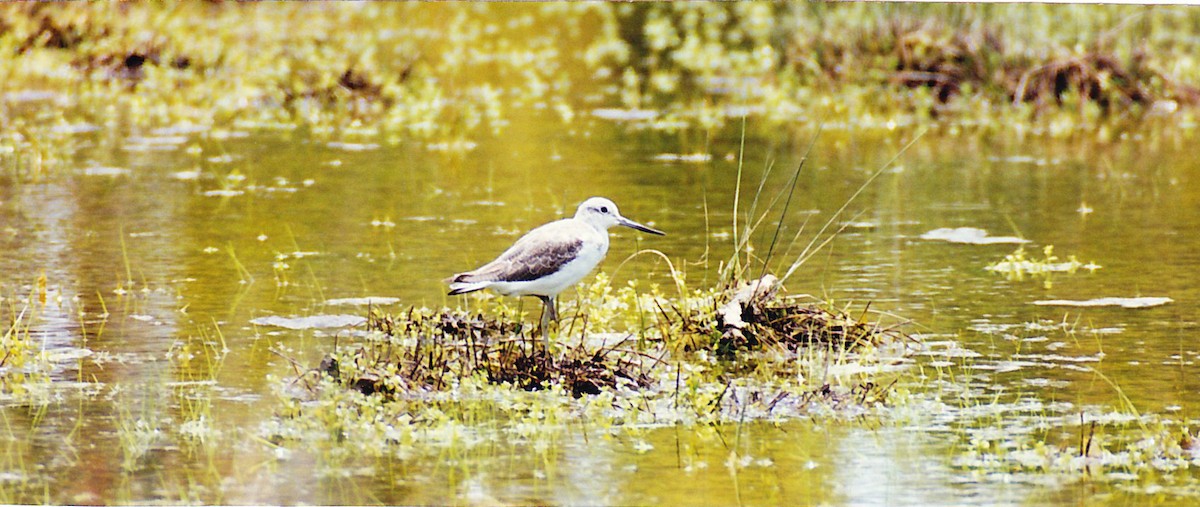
(22, 360)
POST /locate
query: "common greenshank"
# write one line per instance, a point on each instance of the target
(550, 258)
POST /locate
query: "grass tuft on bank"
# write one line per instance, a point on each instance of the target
(619, 358)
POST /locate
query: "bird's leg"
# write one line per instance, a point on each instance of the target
(548, 314)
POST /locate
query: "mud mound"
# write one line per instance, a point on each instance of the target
(429, 351)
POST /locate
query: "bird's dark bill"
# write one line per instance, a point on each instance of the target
(634, 225)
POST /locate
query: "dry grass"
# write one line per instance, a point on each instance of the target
(428, 351)
(951, 61)
(421, 351)
(793, 325)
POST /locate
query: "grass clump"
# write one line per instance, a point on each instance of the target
(625, 360)
(421, 349)
(754, 317)
(22, 360)
(425, 350)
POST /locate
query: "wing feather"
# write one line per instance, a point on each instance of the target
(540, 253)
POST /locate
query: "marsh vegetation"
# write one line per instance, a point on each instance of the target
(224, 227)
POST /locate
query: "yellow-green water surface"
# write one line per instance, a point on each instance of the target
(143, 407)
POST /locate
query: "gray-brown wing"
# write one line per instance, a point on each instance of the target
(525, 261)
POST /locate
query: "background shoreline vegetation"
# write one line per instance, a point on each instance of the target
(399, 71)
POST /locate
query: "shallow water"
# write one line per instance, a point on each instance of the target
(153, 226)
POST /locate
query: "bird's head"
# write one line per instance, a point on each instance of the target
(602, 213)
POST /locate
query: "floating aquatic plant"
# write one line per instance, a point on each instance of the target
(1018, 265)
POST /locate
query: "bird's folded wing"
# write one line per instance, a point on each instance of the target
(530, 260)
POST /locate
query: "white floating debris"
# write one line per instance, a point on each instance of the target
(310, 322)
(1040, 267)
(970, 236)
(370, 300)
(190, 383)
(1163, 107)
(31, 96)
(383, 223)
(187, 175)
(1025, 159)
(105, 171)
(153, 143)
(642, 446)
(74, 128)
(452, 146)
(352, 146)
(222, 134)
(1140, 302)
(223, 193)
(624, 114)
(180, 129)
(295, 255)
(693, 158)
(67, 354)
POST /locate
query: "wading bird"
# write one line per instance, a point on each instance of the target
(550, 258)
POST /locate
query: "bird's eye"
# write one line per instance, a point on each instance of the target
(604, 209)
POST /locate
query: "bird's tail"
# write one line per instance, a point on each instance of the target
(460, 285)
